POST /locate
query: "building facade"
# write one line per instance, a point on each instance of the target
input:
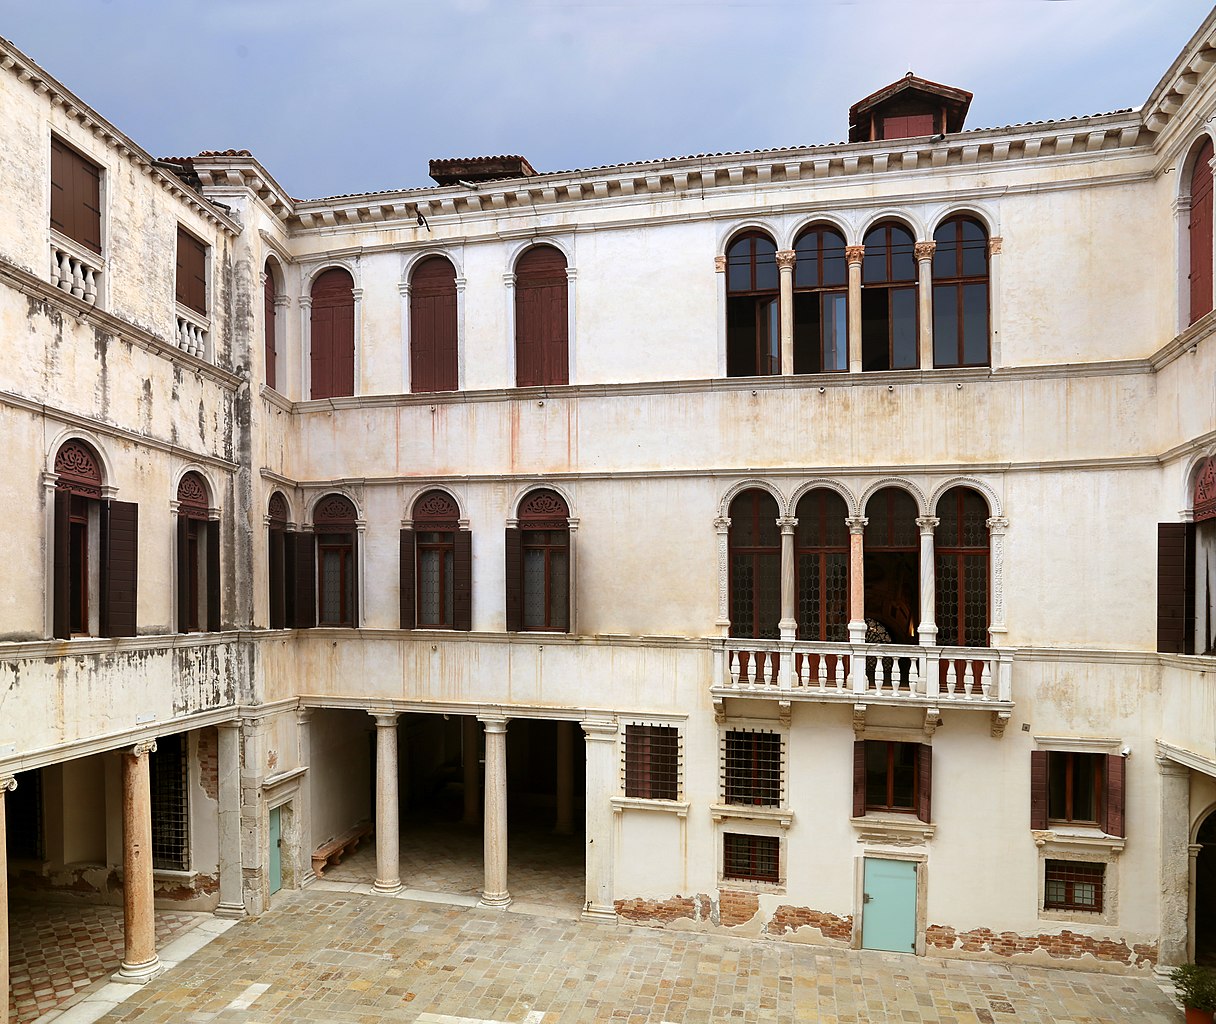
(833, 527)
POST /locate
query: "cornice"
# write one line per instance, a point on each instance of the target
(220, 172)
(1191, 65)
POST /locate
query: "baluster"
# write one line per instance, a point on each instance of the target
(90, 286)
(822, 672)
(840, 672)
(880, 674)
(804, 670)
(54, 268)
(968, 679)
(734, 667)
(951, 677)
(77, 280)
(986, 679)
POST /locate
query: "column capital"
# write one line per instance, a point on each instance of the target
(997, 524)
(7, 784)
(994, 245)
(305, 301)
(719, 264)
(722, 524)
(786, 258)
(787, 524)
(923, 251)
(856, 525)
(508, 279)
(304, 715)
(1168, 766)
(143, 747)
(854, 254)
(600, 731)
(927, 524)
(385, 719)
(493, 723)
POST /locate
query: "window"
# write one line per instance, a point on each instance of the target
(892, 564)
(1073, 885)
(334, 530)
(1077, 788)
(821, 297)
(170, 809)
(892, 776)
(889, 330)
(753, 330)
(751, 858)
(75, 196)
(433, 365)
(332, 335)
(541, 318)
(1199, 233)
(436, 566)
(751, 768)
(1186, 573)
(281, 568)
(538, 565)
(269, 324)
(198, 558)
(960, 294)
(754, 548)
(960, 549)
(821, 566)
(652, 762)
(191, 272)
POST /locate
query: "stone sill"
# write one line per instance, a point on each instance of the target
(782, 816)
(637, 803)
(901, 831)
(1079, 838)
(271, 781)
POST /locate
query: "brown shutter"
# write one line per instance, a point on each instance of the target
(462, 565)
(75, 196)
(289, 579)
(268, 327)
(332, 340)
(183, 574)
(409, 614)
(1175, 588)
(1113, 824)
(120, 567)
(433, 326)
(191, 272)
(514, 579)
(1200, 233)
(924, 782)
(1038, 789)
(354, 579)
(306, 580)
(859, 778)
(61, 583)
(275, 571)
(214, 624)
(541, 318)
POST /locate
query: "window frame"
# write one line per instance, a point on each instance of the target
(634, 759)
(433, 283)
(336, 530)
(765, 305)
(63, 231)
(821, 551)
(540, 511)
(959, 551)
(1064, 761)
(1074, 872)
(957, 281)
(890, 807)
(822, 292)
(195, 247)
(753, 838)
(754, 552)
(891, 285)
(735, 787)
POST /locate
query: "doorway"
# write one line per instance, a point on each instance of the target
(1205, 893)
(275, 869)
(888, 913)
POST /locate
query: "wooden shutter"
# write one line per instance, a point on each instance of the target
(514, 579)
(289, 579)
(332, 339)
(1038, 789)
(924, 782)
(213, 576)
(75, 196)
(1112, 811)
(1200, 233)
(268, 326)
(275, 570)
(433, 326)
(859, 778)
(462, 566)
(183, 573)
(1175, 588)
(306, 581)
(120, 567)
(354, 579)
(541, 318)
(191, 272)
(61, 582)
(409, 612)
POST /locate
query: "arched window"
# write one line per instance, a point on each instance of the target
(960, 293)
(77, 521)
(433, 364)
(754, 548)
(753, 329)
(436, 566)
(335, 530)
(821, 566)
(332, 339)
(892, 567)
(541, 318)
(1199, 233)
(281, 564)
(268, 322)
(960, 549)
(538, 565)
(821, 296)
(888, 300)
(198, 558)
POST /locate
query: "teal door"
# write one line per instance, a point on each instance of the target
(276, 852)
(888, 914)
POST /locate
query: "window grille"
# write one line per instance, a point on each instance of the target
(652, 762)
(1073, 885)
(752, 858)
(170, 809)
(751, 768)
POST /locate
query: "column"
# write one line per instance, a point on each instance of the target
(928, 582)
(565, 779)
(388, 827)
(923, 251)
(997, 526)
(786, 259)
(303, 801)
(404, 290)
(994, 297)
(857, 579)
(720, 274)
(495, 893)
(471, 753)
(508, 282)
(722, 528)
(139, 962)
(603, 773)
(232, 902)
(255, 847)
(854, 254)
(305, 347)
(789, 621)
(1174, 899)
(7, 783)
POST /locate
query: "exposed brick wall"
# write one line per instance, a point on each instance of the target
(737, 908)
(663, 911)
(1064, 945)
(209, 761)
(789, 919)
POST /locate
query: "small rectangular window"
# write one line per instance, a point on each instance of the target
(652, 762)
(891, 775)
(751, 858)
(191, 272)
(75, 196)
(1074, 787)
(751, 768)
(1073, 885)
(170, 810)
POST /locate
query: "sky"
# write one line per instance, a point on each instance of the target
(350, 96)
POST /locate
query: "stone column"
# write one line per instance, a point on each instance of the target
(994, 303)
(996, 569)
(857, 579)
(565, 779)
(789, 620)
(232, 901)
(495, 893)
(603, 781)
(924, 269)
(303, 801)
(472, 770)
(7, 784)
(254, 848)
(928, 582)
(720, 275)
(139, 962)
(388, 827)
(305, 347)
(854, 254)
(404, 290)
(1193, 852)
(1174, 898)
(722, 528)
(786, 260)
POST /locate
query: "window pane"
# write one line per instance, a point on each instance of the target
(766, 265)
(835, 332)
(806, 269)
(809, 611)
(534, 589)
(945, 257)
(876, 774)
(975, 324)
(975, 251)
(835, 269)
(558, 592)
(1083, 777)
(773, 323)
(331, 585)
(770, 595)
(449, 588)
(1057, 776)
(428, 587)
(975, 600)
(739, 274)
(947, 600)
(742, 591)
(945, 325)
(903, 262)
(837, 604)
(741, 337)
(874, 262)
(903, 328)
(905, 775)
(806, 333)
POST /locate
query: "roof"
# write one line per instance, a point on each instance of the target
(480, 168)
(956, 102)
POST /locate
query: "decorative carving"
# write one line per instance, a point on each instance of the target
(857, 525)
(335, 508)
(143, 747)
(722, 525)
(720, 264)
(543, 510)
(192, 497)
(1000, 719)
(996, 544)
(859, 720)
(278, 510)
(927, 524)
(786, 259)
(785, 712)
(994, 245)
(78, 469)
(787, 524)
(1204, 504)
(924, 250)
(437, 507)
(854, 254)
(933, 718)
(719, 711)
(7, 784)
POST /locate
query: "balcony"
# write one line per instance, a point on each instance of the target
(75, 269)
(191, 332)
(928, 678)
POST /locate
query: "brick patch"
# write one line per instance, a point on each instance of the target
(664, 911)
(789, 919)
(1064, 945)
(209, 761)
(737, 908)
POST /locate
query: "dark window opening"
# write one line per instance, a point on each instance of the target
(753, 328)
(892, 567)
(1075, 787)
(538, 565)
(889, 330)
(821, 566)
(754, 547)
(332, 335)
(961, 552)
(542, 303)
(1073, 885)
(436, 578)
(433, 334)
(960, 294)
(170, 807)
(821, 320)
(23, 808)
(78, 570)
(751, 772)
(751, 858)
(334, 522)
(891, 775)
(652, 762)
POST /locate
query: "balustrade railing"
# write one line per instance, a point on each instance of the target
(75, 273)
(191, 336)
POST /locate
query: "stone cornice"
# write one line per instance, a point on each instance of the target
(218, 172)
(1183, 76)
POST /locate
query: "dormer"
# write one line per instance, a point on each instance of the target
(907, 109)
(480, 168)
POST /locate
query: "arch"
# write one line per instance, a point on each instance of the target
(824, 219)
(908, 220)
(520, 495)
(892, 563)
(753, 336)
(78, 468)
(986, 218)
(754, 564)
(890, 297)
(193, 495)
(729, 233)
(821, 565)
(317, 270)
(434, 331)
(560, 243)
(850, 499)
(543, 508)
(335, 508)
(986, 491)
(821, 299)
(1195, 465)
(961, 555)
(332, 334)
(208, 483)
(894, 481)
(752, 483)
(540, 564)
(93, 442)
(435, 507)
(962, 311)
(418, 493)
(542, 317)
(278, 508)
(412, 259)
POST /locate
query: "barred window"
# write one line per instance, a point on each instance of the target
(652, 762)
(752, 858)
(170, 809)
(751, 768)
(1073, 885)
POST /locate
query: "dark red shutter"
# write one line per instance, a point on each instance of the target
(433, 326)
(289, 579)
(1200, 233)
(354, 579)
(924, 782)
(191, 272)
(859, 778)
(332, 337)
(1175, 588)
(541, 318)
(213, 577)
(75, 196)
(409, 614)
(268, 326)
(306, 580)
(275, 567)
(462, 566)
(183, 574)
(61, 584)
(1038, 789)
(120, 567)
(514, 580)
(1113, 824)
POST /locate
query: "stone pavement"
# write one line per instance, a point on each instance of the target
(347, 958)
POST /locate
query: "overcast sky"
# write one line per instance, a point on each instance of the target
(356, 95)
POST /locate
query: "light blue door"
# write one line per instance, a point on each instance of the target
(276, 852)
(888, 914)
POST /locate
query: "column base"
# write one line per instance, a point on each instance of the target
(857, 631)
(137, 974)
(495, 900)
(599, 915)
(387, 888)
(231, 910)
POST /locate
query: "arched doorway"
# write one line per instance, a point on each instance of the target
(1205, 892)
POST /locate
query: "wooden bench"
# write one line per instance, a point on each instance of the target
(341, 846)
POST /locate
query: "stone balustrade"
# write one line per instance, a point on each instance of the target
(192, 329)
(75, 272)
